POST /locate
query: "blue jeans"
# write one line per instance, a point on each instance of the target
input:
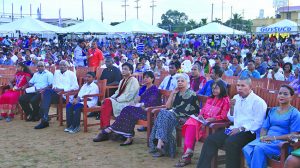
(73, 114)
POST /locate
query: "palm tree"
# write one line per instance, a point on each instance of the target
(203, 21)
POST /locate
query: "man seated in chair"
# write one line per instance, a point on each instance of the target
(247, 113)
(64, 80)
(41, 80)
(124, 96)
(215, 75)
(74, 108)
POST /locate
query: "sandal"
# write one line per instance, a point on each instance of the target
(159, 153)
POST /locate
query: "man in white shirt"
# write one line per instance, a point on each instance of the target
(64, 80)
(275, 73)
(247, 114)
(74, 108)
(170, 82)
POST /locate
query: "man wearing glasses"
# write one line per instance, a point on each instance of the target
(40, 81)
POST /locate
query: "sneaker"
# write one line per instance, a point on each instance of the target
(75, 130)
(8, 119)
(68, 129)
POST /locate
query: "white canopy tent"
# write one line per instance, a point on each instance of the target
(138, 26)
(29, 25)
(215, 28)
(90, 26)
(283, 26)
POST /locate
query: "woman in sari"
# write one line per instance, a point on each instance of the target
(281, 122)
(10, 98)
(124, 96)
(124, 125)
(215, 109)
(182, 103)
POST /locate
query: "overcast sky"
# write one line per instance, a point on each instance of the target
(113, 12)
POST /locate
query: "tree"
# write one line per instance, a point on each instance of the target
(203, 21)
(238, 22)
(174, 20)
(218, 20)
(192, 24)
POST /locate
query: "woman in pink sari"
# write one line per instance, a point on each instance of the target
(9, 99)
(215, 109)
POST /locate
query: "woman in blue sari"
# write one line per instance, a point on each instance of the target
(124, 125)
(281, 122)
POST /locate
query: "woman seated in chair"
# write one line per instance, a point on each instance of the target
(215, 109)
(124, 96)
(124, 125)
(9, 99)
(182, 103)
(281, 121)
(293, 161)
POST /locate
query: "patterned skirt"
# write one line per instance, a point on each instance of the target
(164, 129)
(125, 122)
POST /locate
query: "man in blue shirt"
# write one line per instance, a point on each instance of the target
(8, 60)
(215, 75)
(227, 71)
(40, 80)
(259, 66)
(250, 72)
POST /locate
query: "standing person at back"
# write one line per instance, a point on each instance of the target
(95, 56)
(79, 54)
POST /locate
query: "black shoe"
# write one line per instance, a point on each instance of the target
(127, 144)
(142, 129)
(101, 137)
(42, 125)
(92, 114)
(36, 119)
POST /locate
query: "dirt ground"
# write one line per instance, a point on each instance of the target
(22, 146)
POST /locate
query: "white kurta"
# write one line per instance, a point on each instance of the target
(127, 97)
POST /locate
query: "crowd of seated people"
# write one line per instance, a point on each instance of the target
(255, 131)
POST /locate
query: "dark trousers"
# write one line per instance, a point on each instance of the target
(49, 97)
(32, 99)
(73, 114)
(233, 146)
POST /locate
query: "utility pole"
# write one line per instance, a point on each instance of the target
(40, 12)
(288, 13)
(212, 12)
(3, 8)
(12, 12)
(222, 10)
(21, 11)
(243, 13)
(152, 6)
(82, 9)
(30, 10)
(137, 8)
(231, 16)
(125, 6)
(102, 18)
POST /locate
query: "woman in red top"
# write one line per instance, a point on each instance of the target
(215, 109)
(10, 98)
